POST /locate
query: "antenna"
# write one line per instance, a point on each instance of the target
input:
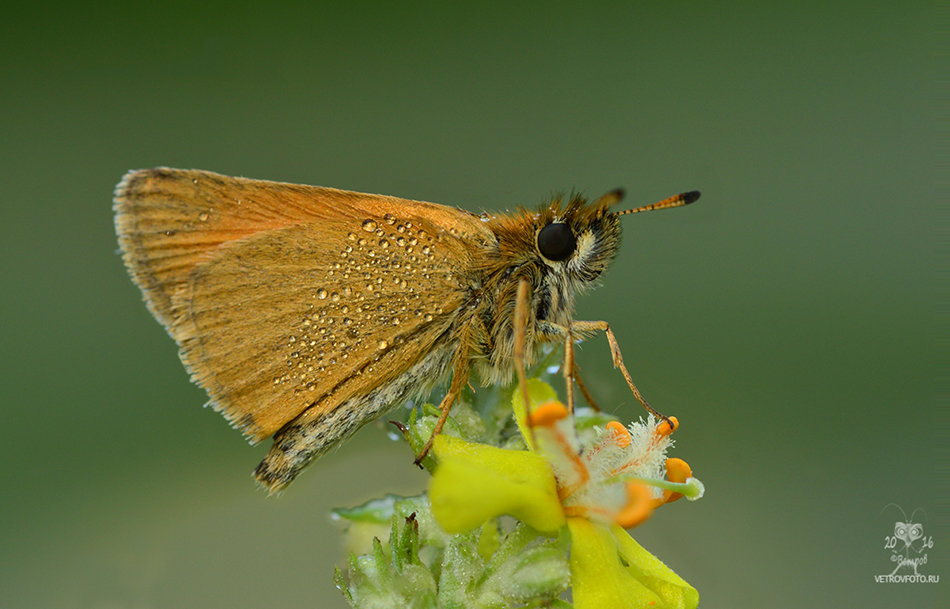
(684, 198)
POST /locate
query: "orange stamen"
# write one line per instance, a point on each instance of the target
(664, 429)
(574, 510)
(677, 470)
(585, 511)
(619, 434)
(563, 492)
(547, 414)
(639, 505)
(659, 433)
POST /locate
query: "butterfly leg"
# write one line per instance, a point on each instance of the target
(580, 385)
(569, 366)
(520, 322)
(460, 374)
(597, 326)
(572, 372)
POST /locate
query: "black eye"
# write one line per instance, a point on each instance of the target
(556, 241)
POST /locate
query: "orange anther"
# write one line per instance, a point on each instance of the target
(677, 470)
(639, 505)
(664, 429)
(619, 434)
(547, 414)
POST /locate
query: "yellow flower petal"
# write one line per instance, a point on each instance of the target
(667, 585)
(474, 483)
(598, 579)
(539, 392)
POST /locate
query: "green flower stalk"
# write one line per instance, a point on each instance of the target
(516, 519)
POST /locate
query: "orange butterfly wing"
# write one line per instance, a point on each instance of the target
(285, 297)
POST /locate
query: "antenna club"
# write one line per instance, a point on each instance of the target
(690, 197)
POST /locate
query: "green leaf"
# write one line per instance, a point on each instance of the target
(377, 511)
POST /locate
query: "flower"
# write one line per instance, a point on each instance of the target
(597, 485)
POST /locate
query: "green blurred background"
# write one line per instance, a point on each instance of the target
(789, 319)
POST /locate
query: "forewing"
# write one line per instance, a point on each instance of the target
(286, 297)
(169, 220)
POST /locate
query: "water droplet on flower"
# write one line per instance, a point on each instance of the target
(369, 225)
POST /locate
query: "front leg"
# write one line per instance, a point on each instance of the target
(594, 326)
(520, 322)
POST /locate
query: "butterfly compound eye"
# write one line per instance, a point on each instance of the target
(556, 241)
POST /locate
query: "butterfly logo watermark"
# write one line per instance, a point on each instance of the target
(908, 548)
